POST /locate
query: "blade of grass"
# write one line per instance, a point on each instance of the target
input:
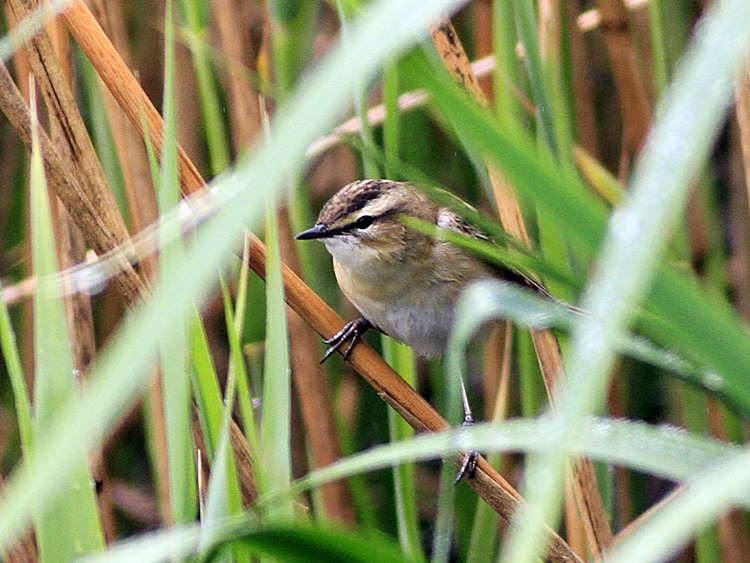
(69, 525)
(13, 364)
(666, 451)
(174, 360)
(223, 498)
(195, 17)
(275, 465)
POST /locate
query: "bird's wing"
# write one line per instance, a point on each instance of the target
(448, 219)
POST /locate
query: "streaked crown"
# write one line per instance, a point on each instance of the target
(355, 208)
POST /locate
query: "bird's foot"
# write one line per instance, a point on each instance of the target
(352, 330)
(469, 463)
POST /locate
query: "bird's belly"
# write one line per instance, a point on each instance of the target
(424, 323)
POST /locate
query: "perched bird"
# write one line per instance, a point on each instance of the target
(404, 282)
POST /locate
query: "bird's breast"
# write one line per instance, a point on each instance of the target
(408, 309)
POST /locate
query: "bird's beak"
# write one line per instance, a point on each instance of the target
(318, 231)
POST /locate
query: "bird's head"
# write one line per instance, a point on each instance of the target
(360, 223)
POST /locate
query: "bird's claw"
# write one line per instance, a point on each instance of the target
(352, 330)
(469, 463)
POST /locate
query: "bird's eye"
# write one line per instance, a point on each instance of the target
(364, 221)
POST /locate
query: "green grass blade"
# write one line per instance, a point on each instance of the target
(288, 543)
(178, 409)
(237, 365)
(402, 359)
(275, 473)
(529, 36)
(223, 489)
(17, 378)
(106, 149)
(206, 388)
(68, 524)
(195, 16)
(322, 545)
(666, 451)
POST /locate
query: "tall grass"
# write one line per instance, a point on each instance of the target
(213, 436)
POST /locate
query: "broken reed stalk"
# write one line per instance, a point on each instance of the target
(585, 484)
(489, 484)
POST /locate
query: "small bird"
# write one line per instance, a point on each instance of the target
(404, 283)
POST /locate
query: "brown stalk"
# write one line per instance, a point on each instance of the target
(733, 538)
(392, 388)
(742, 97)
(629, 80)
(63, 109)
(587, 493)
(65, 184)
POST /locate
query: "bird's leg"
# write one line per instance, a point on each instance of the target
(469, 463)
(352, 330)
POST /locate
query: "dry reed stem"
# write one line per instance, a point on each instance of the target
(65, 184)
(629, 79)
(103, 229)
(588, 495)
(739, 225)
(490, 485)
(62, 107)
(733, 540)
(484, 40)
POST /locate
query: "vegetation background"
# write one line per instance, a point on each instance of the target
(160, 402)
